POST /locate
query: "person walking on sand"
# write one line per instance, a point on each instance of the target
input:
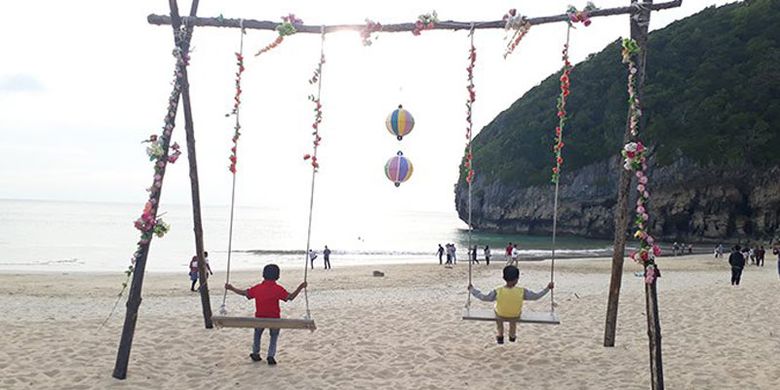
(473, 254)
(487, 255)
(326, 257)
(760, 253)
(312, 256)
(737, 262)
(440, 252)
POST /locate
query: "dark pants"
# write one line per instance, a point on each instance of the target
(440, 258)
(487, 260)
(736, 274)
(327, 263)
(449, 258)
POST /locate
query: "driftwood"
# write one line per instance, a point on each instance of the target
(253, 24)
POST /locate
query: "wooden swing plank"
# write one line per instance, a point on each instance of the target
(271, 323)
(528, 317)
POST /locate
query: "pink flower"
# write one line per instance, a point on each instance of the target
(656, 250)
(643, 179)
(649, 275)
(640, 209)
(640, 188)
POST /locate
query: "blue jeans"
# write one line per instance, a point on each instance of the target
(271, 346)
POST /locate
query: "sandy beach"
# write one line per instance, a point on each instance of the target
(400, 331)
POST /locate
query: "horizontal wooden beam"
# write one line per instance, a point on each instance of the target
(443, 25)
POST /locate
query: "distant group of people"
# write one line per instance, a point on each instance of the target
(511, 254)
(680, 248)
(195, 272)
(325, 257)
(739, 257)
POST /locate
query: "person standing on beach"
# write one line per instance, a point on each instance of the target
(449, 253)
(737, 261)
(454, 254)
(515, 255)
(508, 253)
(326, 257)
(440, 252)
(312, 256)
(487, 255)
(208, 267)
(267, 296)
(193, 272)
(776, 251)
(760, 253)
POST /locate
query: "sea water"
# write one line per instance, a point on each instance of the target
(100, 237)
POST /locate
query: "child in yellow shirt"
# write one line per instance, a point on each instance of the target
(509, 301)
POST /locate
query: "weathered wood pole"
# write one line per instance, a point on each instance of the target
(134, 296)
(654, 335)
(640, 20)
(189, 128)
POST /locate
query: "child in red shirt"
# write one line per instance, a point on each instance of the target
(267, 296)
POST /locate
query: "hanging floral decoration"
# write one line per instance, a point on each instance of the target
(161, 151)
(520, 25)
(236, 106)
(562, 115)
(370, 28)
(425, 22)
(635, 159)
(576, 16)
(316, 79)
(286, 28)
(472, 97)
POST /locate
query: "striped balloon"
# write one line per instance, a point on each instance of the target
(398, 169)
(400, 122)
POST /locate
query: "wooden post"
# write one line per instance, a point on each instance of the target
(640, 20)
(191, 157)
(134, 296)
(654, 335)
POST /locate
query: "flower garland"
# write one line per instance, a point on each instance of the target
(286, 28)
(576, 16)
(158, 150)
(635, 159)
(367, 30)
(316, 78)
(562, 118)
(237, 104)
(520, 24)
(469, 103)
(425, 22)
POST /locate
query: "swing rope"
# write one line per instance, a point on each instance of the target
(469, 160)
(306, 257)
(561, 123)
(236, 112)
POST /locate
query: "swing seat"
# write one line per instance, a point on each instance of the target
(528, 317)
(270, 323)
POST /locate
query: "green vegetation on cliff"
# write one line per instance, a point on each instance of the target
(712, 93)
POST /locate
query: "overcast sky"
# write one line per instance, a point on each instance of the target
(82, 83)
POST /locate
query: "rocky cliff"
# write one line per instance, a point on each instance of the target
(688, 202)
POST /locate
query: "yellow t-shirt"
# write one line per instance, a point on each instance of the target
(509, 301)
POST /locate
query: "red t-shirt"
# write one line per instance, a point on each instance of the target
(267, 296)
(509, 250)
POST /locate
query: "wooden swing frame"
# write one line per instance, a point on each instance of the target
(183, 28)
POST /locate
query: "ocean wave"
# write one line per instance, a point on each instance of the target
(42, 262)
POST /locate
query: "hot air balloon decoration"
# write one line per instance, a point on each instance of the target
(400, 122)
(398, 169)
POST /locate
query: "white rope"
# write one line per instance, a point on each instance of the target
(306, 256)
(223, 308)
